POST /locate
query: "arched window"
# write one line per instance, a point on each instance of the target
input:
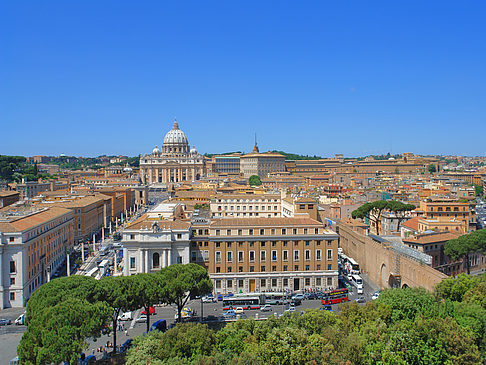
(155, 259)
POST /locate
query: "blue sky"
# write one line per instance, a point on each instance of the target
(353, 77)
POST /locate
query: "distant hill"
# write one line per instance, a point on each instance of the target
(293, 156)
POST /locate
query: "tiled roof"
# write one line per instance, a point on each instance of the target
(412, 223)
(430, 238)
(29, 221)
(145, 223)
(267, 222)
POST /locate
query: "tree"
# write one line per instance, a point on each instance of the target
(477, 294)
(374, 210)
(182, 282)
(118, 293)
(146, 291)
(58, 333)
(454, 289)
(479, 189)
(464, 246)
(254, 180)
(431, 168)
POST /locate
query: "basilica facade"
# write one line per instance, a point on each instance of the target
(174, 162)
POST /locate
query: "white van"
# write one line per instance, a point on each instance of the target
(360, 289)
(127, 316)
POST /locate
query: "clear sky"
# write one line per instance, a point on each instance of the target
(353, 77)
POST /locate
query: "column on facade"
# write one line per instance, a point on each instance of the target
(164, 173)
(193, 174)
(146, 260)
(167, 252)
(157, 174)
(179, 174)
(140, 264)
(164, 259)
(126, 271)
(151, 176)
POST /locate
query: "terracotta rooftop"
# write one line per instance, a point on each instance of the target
(258, 222)
(412, 223)
(427, 238)
(5, 193)
(145, 223)
(22, 223)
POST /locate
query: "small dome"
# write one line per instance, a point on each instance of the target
(193, 150)
(175, 136)
(156, 151)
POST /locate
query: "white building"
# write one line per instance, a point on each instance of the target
(33, 245)
(176, 162)
(246, 205)
(151, 244)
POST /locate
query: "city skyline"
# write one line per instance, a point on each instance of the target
(313, 80)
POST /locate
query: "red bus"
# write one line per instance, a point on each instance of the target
(335, 296)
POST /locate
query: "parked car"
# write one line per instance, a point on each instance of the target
(326, 308)
(5, 322)
(126, 345)
(141, 318)
(127, 316)
(291, 309)
(361, 299)
(298, 297)
(360, 289)
(266, 308)
(20, 319)
(208, 299)
(375, 295)
(229, 314)
(239, 310)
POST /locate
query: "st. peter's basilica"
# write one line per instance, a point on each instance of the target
(176, 162)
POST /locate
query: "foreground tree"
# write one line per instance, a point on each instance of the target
(182, 282)
(147, 290)
(464, 246)
(58, 333)
(454, 288)
(117, 292)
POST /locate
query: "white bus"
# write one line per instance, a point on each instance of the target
(353, 266)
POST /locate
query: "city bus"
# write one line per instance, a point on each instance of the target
(353, 266)
(246, 301)
(335, 296)
(275, 297)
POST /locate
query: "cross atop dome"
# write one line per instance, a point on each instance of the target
(175, 125)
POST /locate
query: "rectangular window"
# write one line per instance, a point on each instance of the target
(229, 283)
(12, 266)
(329, 254)
(262, 269)
(285, 268)
(307, 281)
(294, 231)
(11, 239)
(262, 232)
(229, 256)
(132, 236)
(296, 255)
(218, 244)
(218, 257)
(217, 232)
(329, 281)
(263, 283)
(240, 283)
(274, 255)
(252, 256)
(318, 255)
(240, 268)
(218, 269)
(318, 267)
(316, 231)
(318, 281)
(274, 268)
(12, 296)
(250, 232)
(307, 255)
(285, 255)
(241, 256)
(240, 232)
(305, 230)
(284, 231)
(252, 268)
(274, 282)
(318, 243)
(218, 284)
(132, 262)
(12, 281)
(307, 267)
(296, 268)
(263, 256)
(285, 282)
(229, 269)
(228, 244)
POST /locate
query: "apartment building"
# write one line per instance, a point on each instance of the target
(245, 205)
(8, 197)
(261, 164)
(33, 244)
(266, 254)
(446, 215)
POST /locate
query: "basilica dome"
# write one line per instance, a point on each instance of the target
(175, 141)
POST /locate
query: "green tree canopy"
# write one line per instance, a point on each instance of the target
(182, 282)
(454, 288)
(431, 168)
(374, 210)
(254, 180)
(464, 246)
